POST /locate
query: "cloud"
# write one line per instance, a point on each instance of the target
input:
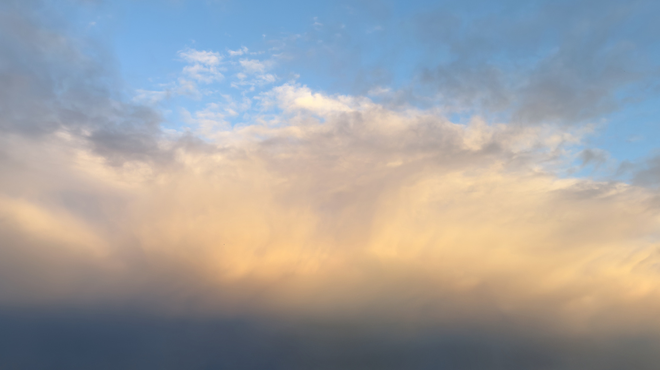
(253, 73)
(572, 62)
(416, 234)
(328, 230)
(593, 157)
(205, 65)
(239, 52)
(649, 174)
(208, 58)
(253, 65)
(52, 86)
(368, 201)
(149, 342)
(149, 97)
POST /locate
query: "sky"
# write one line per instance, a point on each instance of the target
(228, 184)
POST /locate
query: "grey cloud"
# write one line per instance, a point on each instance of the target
(565, 62)
(73, 341)
(649, 173)
(593, 157)
(51, 82)
(559, 62)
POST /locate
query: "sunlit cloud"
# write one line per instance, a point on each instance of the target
(372, 228)
(357, 201)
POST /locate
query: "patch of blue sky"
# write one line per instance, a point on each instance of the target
(631, 133)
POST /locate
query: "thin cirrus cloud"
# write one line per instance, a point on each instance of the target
(331, 231)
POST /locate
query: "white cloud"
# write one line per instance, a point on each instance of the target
(295, 97)
(317, 25)
(253, 66)
(239, 52)
(253, 74)
(204, 65)
(149, 96)
(208, 58)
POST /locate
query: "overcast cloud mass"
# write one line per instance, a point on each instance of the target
(425, 187)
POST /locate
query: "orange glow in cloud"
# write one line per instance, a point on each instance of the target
(399, 215)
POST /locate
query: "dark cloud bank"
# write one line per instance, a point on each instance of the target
(133, 341)
(47, 85)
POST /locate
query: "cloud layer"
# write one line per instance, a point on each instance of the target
(330, 232)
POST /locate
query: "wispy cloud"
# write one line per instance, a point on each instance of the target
(204, 65)
(239, 52)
